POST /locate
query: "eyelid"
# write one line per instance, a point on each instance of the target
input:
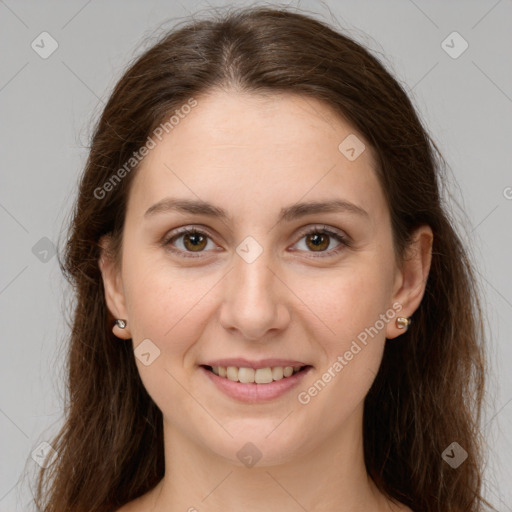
(313, 228)
(339, 235)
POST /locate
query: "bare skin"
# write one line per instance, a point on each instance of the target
(252, 156)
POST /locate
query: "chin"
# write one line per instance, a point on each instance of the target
(256, 443)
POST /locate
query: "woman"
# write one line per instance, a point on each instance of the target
(273, 311)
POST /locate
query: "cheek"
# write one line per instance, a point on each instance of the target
(168, 308)
(164, 303)
(347, 300)
(355, 305)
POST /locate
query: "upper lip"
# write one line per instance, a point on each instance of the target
(240, 362)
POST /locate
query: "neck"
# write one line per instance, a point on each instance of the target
(330, 476)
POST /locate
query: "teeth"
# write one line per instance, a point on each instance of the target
(246, 375)
(277, 373)
(263, 376)
(259, 376)
(232, 373)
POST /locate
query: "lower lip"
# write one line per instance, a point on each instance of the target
(252, 392)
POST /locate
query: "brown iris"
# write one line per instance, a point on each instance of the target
(317, 242)
(197, 241)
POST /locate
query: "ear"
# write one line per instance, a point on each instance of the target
(113, 285)
(411, 277)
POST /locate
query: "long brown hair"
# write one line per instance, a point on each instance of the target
(429, 389)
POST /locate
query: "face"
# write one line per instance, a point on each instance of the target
(255, 288)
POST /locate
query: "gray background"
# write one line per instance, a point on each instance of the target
(48, 107)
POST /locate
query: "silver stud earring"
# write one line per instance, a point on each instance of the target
(403, 323)
(121, 323)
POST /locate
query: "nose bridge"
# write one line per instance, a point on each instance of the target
(252, 301)
(252, 276)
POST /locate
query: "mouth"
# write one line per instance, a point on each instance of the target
(246, 375)
(255, 385)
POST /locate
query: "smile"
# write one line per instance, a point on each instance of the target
(251, 375)
(255, 385)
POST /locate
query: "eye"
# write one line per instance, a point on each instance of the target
(319, 239)
(195, 240)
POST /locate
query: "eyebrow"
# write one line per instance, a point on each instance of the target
(289, 213)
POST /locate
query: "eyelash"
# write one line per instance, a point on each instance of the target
(314, 230)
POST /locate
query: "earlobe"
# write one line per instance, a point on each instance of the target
(112, 284)
(413, 276)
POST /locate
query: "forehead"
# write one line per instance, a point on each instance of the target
(244, 148)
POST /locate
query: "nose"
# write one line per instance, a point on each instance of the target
(254, 304)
